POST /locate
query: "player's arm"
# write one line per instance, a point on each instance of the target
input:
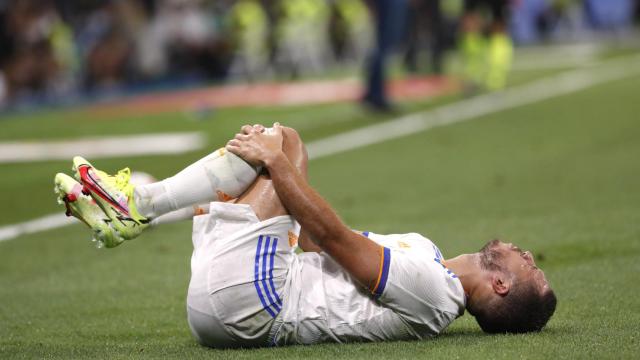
(360, 256)
(297, 155)
(306, 244)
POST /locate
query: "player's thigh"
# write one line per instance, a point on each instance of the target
(239, 268)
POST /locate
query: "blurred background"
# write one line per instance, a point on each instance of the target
(57, 52)
(540, 147)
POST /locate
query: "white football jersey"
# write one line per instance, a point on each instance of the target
(416, 296)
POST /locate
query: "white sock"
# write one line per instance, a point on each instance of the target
(199, 183)
(181, 214)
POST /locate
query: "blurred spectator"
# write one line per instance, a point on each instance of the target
(182, 39)
(56, 50)
(249, 32)
(302, 36)
(107, 43)
(487, 61)
(351, 30)
(390, 19)
(610, 14)
(552, 16)
(430, 24)
(35, 48)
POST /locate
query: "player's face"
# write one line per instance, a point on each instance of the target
(516, 261)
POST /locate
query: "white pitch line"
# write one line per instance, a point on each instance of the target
(557, 56)
(48, 222)
(562, 84)
(101, 147)
(547, 88)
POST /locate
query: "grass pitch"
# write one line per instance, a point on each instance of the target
(558, 177)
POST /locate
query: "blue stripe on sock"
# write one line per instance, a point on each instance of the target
(273, 253)
(256, 278)
(264, 276)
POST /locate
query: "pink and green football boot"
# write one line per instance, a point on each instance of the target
(114, 194)
(85, 209)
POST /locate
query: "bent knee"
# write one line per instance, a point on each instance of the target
(295, 150)
(291, 135)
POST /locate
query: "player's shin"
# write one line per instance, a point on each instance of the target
(219, 173)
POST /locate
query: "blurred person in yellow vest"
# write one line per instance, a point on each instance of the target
(487, 61)
(248, 25)
(302, 36)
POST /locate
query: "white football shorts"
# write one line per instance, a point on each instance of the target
(239, 268)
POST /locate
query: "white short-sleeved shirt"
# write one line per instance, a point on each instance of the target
(415, 297)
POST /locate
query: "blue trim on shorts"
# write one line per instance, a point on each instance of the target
(263, 275)
(273, 287)
(265, 255)
(256, 278)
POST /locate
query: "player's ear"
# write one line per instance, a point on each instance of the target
(500, 283)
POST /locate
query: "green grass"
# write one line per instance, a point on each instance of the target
(558, 177)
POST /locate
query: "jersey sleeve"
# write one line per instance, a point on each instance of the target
(417, 287)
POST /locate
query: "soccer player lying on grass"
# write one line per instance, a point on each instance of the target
(250, 288)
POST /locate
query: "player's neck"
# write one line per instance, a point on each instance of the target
(467, 269)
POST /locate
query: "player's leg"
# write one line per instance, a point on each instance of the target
(260, 194)
(131, 208)
(240, 263)
(218, 175)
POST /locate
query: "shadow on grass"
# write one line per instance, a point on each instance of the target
(476, 335)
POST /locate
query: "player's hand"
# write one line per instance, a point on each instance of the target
(255, 146)
(246, 129)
